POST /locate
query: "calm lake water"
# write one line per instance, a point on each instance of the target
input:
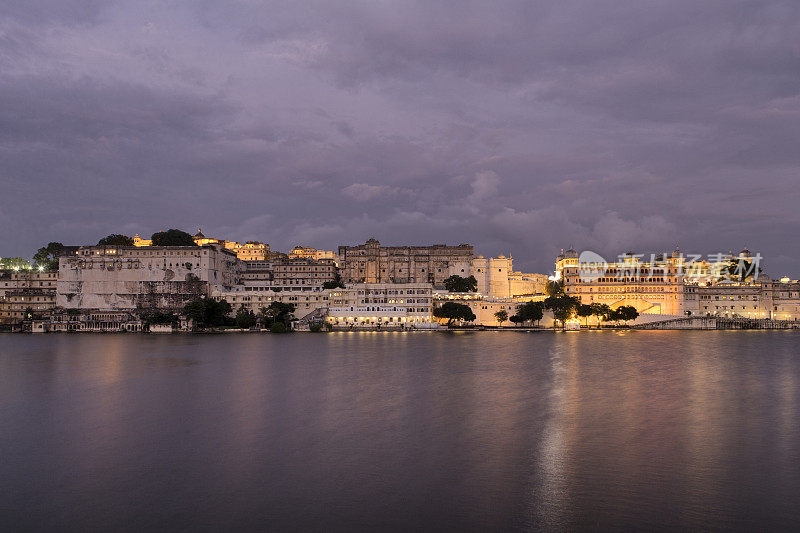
(399, 431)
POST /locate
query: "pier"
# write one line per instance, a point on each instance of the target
(716, 322)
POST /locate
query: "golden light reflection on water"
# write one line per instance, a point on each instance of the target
(623, 413)
(556, 431)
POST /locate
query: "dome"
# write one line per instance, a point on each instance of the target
(571, 253)
(745, 252)
(676, 253)
(199, 234)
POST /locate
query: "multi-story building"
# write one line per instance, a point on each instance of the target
(655, 286)
(130, 277)
(764, 298)
(670, 285)
(305, 302)
(25, 289)
(359, 306)
(303, 272)
(249, 251)
(307, 252)
(13, 280)
(726, 299)
(783, 297)
(496, 278)
(90, 321)
(391, 305)
(373, 263)
(287, 274)
(14, 304)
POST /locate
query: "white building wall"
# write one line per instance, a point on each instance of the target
(126, 278)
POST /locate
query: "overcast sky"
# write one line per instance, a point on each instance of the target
(519, 127)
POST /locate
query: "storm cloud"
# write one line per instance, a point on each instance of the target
(521, 127)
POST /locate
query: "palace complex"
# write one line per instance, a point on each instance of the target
(101, 288)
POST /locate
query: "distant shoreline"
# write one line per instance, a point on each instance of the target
(476, 330)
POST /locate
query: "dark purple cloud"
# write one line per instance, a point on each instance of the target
(521, 127)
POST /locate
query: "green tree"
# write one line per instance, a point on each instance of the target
(173, 237)
(336, 283)
(554, 288)
(47, 256)
(277, 327)
(14, 262)
(458, 284)
(624, 313)
(531, 311)
(516, 319)
(740, 270)
(563, 306)
(585, 311)
(208, 312)
(501, 316)
(115, 239)
(160, 317)
(453, 311)
(245, 319)
(601, 311)
(277, 312)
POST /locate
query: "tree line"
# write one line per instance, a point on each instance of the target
(211, 313)
(562, 305)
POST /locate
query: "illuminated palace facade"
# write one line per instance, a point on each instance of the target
(654, 287)
(662, 284)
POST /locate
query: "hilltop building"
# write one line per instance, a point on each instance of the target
(139, 242)
(307, 252)
(248, 251)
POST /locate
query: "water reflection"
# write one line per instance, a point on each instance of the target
(652, 430)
